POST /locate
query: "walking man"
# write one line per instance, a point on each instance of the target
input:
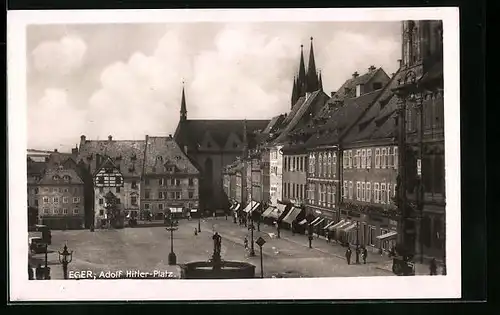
(348, 254)
(245, 242)
(364, 254)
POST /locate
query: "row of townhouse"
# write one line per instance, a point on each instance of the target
(364, 165)
(104, 181)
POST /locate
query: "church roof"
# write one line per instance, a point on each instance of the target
(348, 89)
(164, 151)
(127, 155)
(192, 132)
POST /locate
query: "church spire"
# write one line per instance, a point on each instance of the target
(301, 80)
(320, 82)
(183, 105)
(295, 95)
(312, 76)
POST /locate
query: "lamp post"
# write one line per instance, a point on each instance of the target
(310, 235)
(252, 250)
(199, 221)
(65, 257)
(47, 269)
(357, 242)
(172, 258)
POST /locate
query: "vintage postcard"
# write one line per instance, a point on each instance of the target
(234, 154)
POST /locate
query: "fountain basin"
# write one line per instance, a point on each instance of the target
(227, 270)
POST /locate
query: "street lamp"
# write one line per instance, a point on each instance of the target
(199, 222)
(65, 257)
(310, 237)
(357, 242)
(172, 259)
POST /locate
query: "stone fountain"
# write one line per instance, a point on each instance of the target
(216, 267)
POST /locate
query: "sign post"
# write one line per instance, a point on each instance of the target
(260, 241)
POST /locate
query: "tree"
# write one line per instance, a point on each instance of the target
(115, 216)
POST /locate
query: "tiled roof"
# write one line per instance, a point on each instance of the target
(298, 116)
(164, 151)
(341, 118)
(56, 177)
(377, 123)
(348, 89)
(128, 155)
(192, 132)
(55, 159)
(274, 124)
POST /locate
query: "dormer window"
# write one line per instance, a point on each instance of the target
(67, 177)
(377, 86)
(159, 158)
(55, 177)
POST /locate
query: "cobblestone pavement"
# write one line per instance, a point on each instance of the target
(147, 249)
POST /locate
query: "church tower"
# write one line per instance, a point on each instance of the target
(422, 42)
(312, 83)
(302, 80)
(183, 105)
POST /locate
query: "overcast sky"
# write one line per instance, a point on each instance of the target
(125, 80)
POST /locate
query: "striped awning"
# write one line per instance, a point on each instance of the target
(315, 221)
(292, 215)
(336, 225)
(349, 227)
(194, 210)
(328, 225)
(268, 211)
(255, 206)
(319, 222)
(303, 222)
(248, 207)
(237, 207)
(387, 236)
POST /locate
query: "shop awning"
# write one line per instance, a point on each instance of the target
(268, 212)
(275, 214)
(175, 210)
(349, 227)
(314, 221)
(387, 236)
(319, 222)
(328, 225)
(281, 207)
(336, 225)
(248, 207)
(292, 215)
(233, 206)
(194, 210)
(303, 222)
(237, 207)
(255, 206)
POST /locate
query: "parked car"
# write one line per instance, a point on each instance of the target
(37, 245)
(46, 234)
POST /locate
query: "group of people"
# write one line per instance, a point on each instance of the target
(360, 251)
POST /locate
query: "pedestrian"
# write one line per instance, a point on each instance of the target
(39, 272)
(348, 254)
(364, 254)
(433, 267)
(245, 242)
(195, 231)
(30, 272)
(328, 237)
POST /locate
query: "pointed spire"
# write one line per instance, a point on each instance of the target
(301, 80)
(320, 82)
(295, 95)
(312, 75)
(183, 105)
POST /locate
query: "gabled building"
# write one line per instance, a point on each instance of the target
(211, 145)
(170, 181)
(35, 172)
(109, 194)
(60, 199)
(127, 156)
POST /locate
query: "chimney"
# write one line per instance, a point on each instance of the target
(355, 74)
(83, 138)
(110, 138)
(170, 136)
(372, 68)
(55, 150)
(400, 61)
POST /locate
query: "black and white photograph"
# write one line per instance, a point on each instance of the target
(299, 153)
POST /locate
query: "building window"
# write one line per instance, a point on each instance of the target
(65, 199)
(368, 192)
(36, 202)
(320, 165)
(100, 180)
(356, 159)
(191, 182)
(344, 190)
(390, 157)
(76, 211)
(383, 192)
(76, 199)
(66, 190)
(101, 190)
(160, 206)
(191, 195)
(57, 211)
(134, 184)
(178, 195)
(56, 199)
(345, 160)
(146, 206)
(377, 158)
(363, 158)
(45, 199)
(334, 194)
(146, 182)
(384, 157)
(117, 189)
(371, 235)
(133, 200)
(101, 212)
(118, 180)
(161, 182)
(358, 191)
(45, 210)
(146, 194)
(334, 163)
(55, 189)
(363, 192)
(351, 194)
(376, 192)
(101, 201)
(65, 210)
(389, 195)
(396, 157)
(177, 182)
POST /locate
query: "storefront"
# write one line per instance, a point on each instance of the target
(294, 216)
